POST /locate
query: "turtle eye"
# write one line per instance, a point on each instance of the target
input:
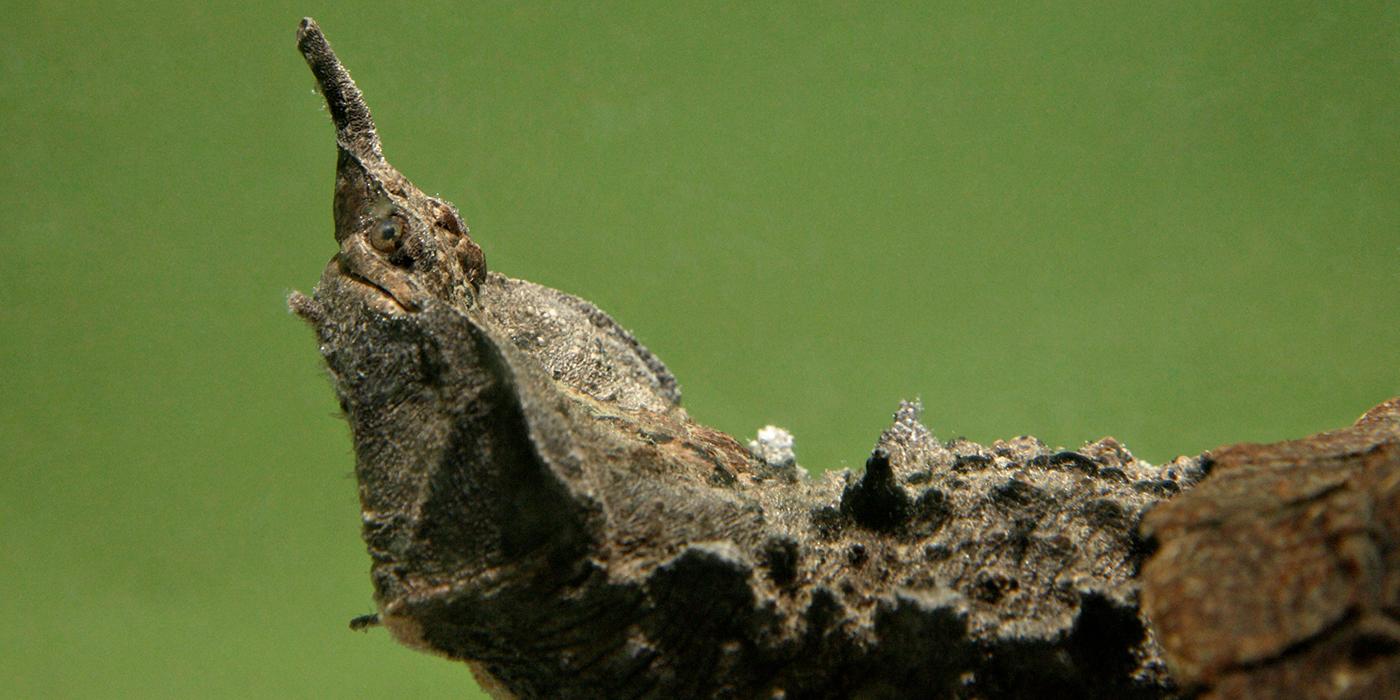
(386, 234)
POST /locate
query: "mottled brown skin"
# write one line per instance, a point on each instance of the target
(536, 503)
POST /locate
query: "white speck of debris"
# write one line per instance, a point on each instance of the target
(775, 447)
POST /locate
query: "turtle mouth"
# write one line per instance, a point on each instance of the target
(376, 291)
(394, 291)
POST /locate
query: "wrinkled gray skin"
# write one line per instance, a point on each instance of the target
(537, 504)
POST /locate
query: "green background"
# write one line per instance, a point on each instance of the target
(1179, 225)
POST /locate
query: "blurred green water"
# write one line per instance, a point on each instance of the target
(1179, 225)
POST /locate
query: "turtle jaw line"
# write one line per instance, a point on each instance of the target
(379, 281)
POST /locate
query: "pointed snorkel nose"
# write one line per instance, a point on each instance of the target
(360, 194)
(354, 127)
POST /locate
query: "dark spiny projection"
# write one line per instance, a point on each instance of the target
(536, 502)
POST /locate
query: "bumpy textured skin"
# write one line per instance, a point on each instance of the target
(537, 503)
